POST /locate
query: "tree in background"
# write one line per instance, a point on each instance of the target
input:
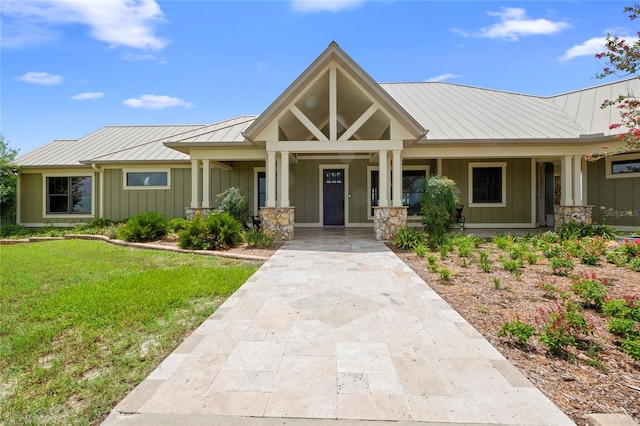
(622, 58)
(8, 180)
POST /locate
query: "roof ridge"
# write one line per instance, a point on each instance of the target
(248, 118)
(510, 92)
(623, 80)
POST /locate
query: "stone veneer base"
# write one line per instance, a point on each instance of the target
(387, 221)
(278, 222)
(567, 214)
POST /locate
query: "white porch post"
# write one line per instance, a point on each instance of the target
(284, 179)
(383, 198)
(396, 169)
(577, 180)
(195, 165)
(271, 179)
(206, 172)
(566, 181)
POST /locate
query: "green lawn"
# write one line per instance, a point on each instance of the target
(83, 322)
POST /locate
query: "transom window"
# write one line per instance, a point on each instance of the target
(487, 184)
(412, 180)
(623, 166)
(69, 195)
(146, 179)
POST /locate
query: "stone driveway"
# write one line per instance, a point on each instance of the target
(335, 328)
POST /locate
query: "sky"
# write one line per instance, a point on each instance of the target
(69, 67)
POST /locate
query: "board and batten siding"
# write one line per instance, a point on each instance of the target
(612, 199)
(32, 195)
(123, 203)
(518, 191)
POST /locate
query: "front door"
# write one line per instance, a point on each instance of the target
(333, 197)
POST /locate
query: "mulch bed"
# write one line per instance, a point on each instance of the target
(602, 379)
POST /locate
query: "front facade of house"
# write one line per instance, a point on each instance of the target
(338, 149)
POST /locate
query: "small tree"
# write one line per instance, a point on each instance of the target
(8, 179)
(234, 202)
(622, 58)
(439, 202)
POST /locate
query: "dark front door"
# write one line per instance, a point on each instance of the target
(333, 202)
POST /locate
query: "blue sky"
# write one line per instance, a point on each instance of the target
(70, 67)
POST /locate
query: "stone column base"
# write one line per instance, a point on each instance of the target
(387, 221)
(278, 222)
(567, 214)
(192, 212)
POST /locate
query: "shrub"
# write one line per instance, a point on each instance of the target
(409, 239)
(445, 274)
(496, 283)
(549, 289)
(532, 258)
(236, 204)
(590, 289)
(257, 238)
(438, 207)
(420, 250)
(217, 231)
(512, 265)
(632, 347)
(623, 327)
(484, 262)
(519, 330)
(12, 230)
(561, 327)
(177, 224)
(561, 266)
(144, 226)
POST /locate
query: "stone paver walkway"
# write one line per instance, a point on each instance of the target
(336, 326)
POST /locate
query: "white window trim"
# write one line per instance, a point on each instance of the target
(322, 168)
(256, 170)
(92, 175)
(425, 167)
(503, 165)
(620, 157)
(146, 170)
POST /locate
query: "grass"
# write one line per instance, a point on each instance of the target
(83, 322)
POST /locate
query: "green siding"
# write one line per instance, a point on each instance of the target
(518, 192)
(612, 196)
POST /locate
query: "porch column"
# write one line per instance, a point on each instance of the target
(206, 172)
(383, 198)
(566, 181)
(271, 179)
(577, 180)
(396, 169)
(284, 179)
(195, 165)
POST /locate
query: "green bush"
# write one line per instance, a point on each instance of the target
(420, 251)
(12, 230)
(234, 202)
(623, 327)
(257, 238)
(590, 289)
(619, 308)
(438, 202)
(145, 226)
(561, 266)
(409, 239)
(562, 327)
(177, 224)
(516, 329)
(217, 231)
(632, 347)
(484, 262)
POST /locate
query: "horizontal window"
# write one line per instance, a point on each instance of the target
(623, 166)
(69, 195)
(146, 179)
(487, 184)
(412, 181)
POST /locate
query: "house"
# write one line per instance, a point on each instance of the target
(337, 148)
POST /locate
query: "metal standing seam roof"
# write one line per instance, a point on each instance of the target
(224, 131)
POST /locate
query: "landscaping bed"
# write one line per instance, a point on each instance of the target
(594, 376)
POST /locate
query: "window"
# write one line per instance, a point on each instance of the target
(623, 166)
(412, 179)
(68, 195)
(487, 184)
(146, 179)
(260, 188)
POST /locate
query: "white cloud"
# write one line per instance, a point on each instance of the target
(325, 5)
(156, 102)
(591, 47)
(127, 23)
(43, 78)
(87, 96)
(441, 77)
(514, 24)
